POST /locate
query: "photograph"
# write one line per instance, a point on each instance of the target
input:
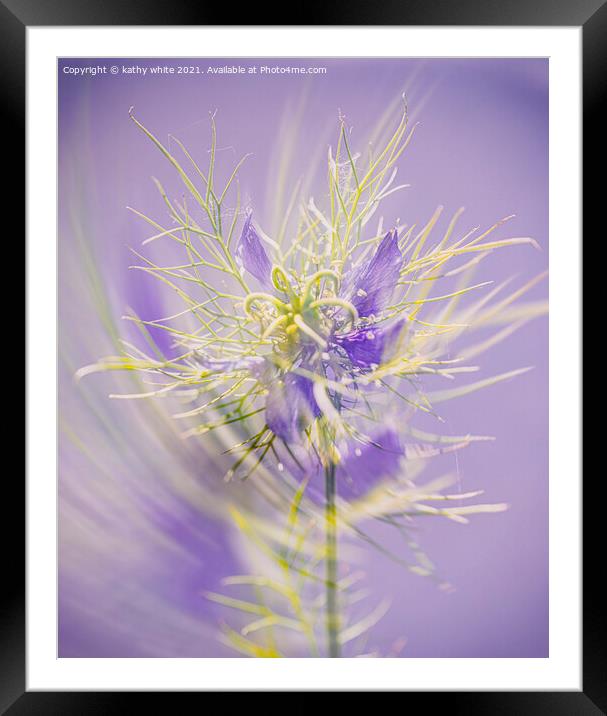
(303, 357)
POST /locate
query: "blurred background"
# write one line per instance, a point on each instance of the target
(140, 532)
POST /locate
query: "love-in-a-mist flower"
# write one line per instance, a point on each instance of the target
(302, 345)
(325, 329)
(309, 351)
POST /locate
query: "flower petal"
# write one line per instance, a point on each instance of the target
(367, 465)
(363, 347)
(378, 460)
(252, 256)
(394, 337)
(367, 347)
(364, 466)
(290, 406)
(372, 285)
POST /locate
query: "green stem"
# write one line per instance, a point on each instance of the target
(332, 617)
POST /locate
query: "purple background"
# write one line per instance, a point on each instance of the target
(134, 555)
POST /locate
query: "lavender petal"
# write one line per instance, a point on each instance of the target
(252, 256)
(367, 347)
(371, 286)
(290, 406)
(368, 464)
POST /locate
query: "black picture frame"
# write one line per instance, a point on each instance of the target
(15, 17)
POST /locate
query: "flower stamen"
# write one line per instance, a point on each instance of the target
(305, 328)
(268, 298)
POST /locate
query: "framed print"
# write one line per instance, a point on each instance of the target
(309, 385)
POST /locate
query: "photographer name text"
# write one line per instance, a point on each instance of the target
(192, 69)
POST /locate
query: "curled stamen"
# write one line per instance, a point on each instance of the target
(340, 302)
(281, 281)
(274, 325)
(268, 298)
(315, 278)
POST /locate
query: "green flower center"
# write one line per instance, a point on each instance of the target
(308, 311)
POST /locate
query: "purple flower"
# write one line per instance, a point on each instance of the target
(290, 405)
(252, 256)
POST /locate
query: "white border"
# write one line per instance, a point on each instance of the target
(562, 670)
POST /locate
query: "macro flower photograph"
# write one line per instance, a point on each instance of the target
(303, 358)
